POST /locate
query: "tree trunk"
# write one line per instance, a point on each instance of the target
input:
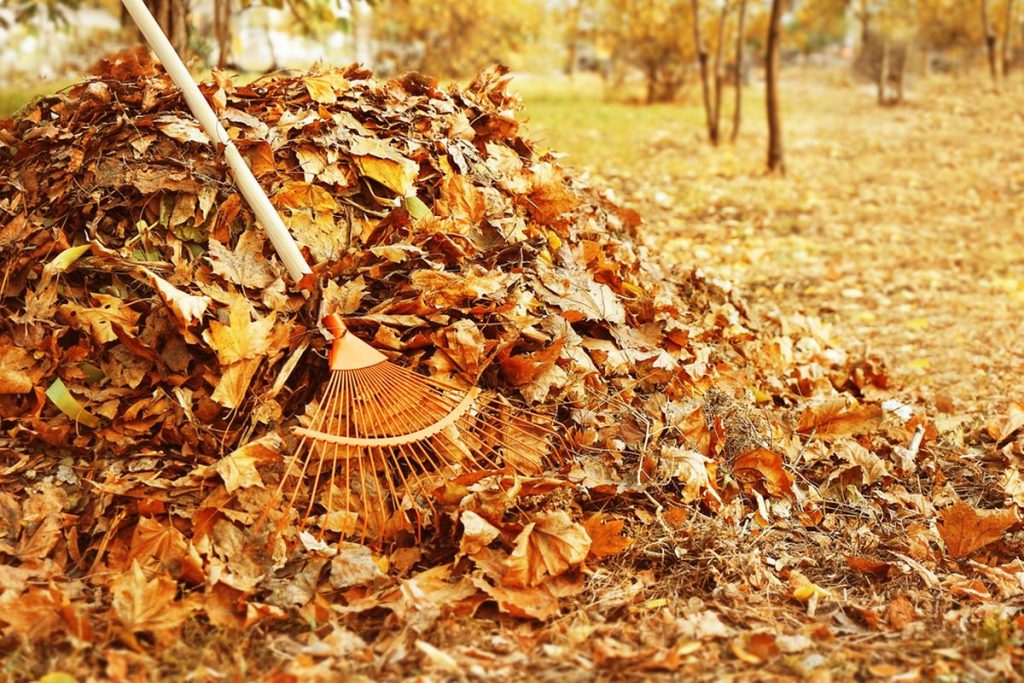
(362, 32)
(222, 31)
(864, 17)
(737, 112)
(270, 40)
(719, 50)
(883, 73)
(173, 17)
(574, 39)
(990, 42)
(1008, 39)
(901, 73)
(776, 161)
(705, 77)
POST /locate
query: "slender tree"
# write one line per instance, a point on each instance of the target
(173, 17)
(990, 42)
(741, 29)
(776, 160)
(705, 77)
(883, 71)
(1008, 38)
(719, 78)
(575, 14)
(222, 31)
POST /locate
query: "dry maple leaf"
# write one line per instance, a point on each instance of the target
(143, 605)
(547, 546)
(965, 529)
(605, 535)
(245, 264)
(238, 469)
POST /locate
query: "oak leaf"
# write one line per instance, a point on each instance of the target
(965, 529)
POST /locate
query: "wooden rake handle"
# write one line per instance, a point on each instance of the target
(250, 188)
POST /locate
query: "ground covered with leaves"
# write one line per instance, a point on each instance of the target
(737, 494)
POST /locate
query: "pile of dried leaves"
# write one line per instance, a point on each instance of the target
(154, 355)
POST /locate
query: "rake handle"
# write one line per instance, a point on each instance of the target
(250, 188)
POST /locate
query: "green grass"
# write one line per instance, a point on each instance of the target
(14, 97)
(621, 135)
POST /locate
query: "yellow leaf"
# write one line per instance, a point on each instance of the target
(919, 364)
(57, 677)
(146, 605)
(62, 398)
(324, 89)
(187, 308)
(392, 174)
(917, 324)
(234, 383)
(242, 338)
(238, 469)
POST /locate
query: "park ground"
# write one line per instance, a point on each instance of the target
(901, 228)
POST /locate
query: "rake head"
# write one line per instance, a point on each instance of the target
(382, 432)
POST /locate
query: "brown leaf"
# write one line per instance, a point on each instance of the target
(546, 547)
(245, 265)
(19, 374)
(755, 648)
(835, 418)
(147, 604)
(965, 529)
(868, 565)
(181, 129)
(605, 535)
(187, 308)
(765, 467)
(1004, 429)
(540, 602)
(161, 546)
(460, 200)
(900, 612)
(526, 368)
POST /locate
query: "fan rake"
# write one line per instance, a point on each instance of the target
(378, 423)
(379, 429)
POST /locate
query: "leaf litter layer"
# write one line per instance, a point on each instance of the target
(738, 492)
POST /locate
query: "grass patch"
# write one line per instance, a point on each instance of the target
(14, 97)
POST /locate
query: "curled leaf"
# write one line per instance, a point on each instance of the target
(69, 405)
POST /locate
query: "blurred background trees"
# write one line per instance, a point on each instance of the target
(653, 43)
(642, 51)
